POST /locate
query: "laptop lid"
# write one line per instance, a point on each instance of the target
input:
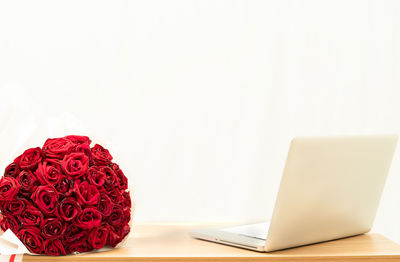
(330, 188)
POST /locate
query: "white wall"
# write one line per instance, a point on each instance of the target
(198, 99)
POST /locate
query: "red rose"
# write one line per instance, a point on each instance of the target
(31, 216)
(81, 246)
(66, 197)
(96, 176)
(9, 222)
(114, 194)
(105, 205)
(79, 139)
(115, 237)
(27, 181)
(49, 172)
(13, 207)
(98, 237)
(32, 239)
(11, 170)
(117, 216)
(64, 186)
(73, 234)
(122, 180)
(75, 165)
(46, 198)
(69, 209)
(127, 212)
(87, 194)
(54, 247)
(111, 177)
(126, 200)
(30, 158)
(83, 148)
(9, 187)
(57, 147)
(52, 228)
(124, 230)
(89, 218)
(101, 155)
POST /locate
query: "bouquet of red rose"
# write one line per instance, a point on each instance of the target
(65, 197)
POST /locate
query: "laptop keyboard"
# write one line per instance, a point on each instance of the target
(259, 230)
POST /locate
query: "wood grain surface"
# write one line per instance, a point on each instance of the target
(171, 242)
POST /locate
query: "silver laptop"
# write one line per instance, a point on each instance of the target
(330, 189)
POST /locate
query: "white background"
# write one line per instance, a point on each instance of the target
(198, 100)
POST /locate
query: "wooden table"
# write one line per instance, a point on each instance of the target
(171, 242)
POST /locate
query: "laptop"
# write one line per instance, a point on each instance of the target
(330, 189)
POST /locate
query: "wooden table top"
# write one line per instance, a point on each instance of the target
(171, 242)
